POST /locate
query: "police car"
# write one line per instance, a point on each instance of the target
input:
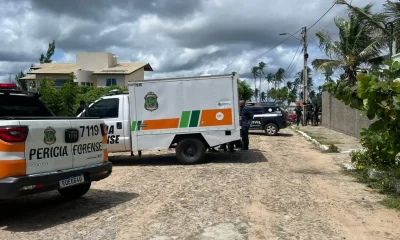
(267, 117)
(40, 152)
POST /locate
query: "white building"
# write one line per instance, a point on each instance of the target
(98, 69)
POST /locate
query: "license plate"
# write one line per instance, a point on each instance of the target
(74, 180)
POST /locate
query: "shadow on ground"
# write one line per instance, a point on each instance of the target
(277, 135)
(239, 157)
(41, 211)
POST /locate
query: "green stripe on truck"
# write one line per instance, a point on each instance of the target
(133, 126)
(194, 118)
(184, 119)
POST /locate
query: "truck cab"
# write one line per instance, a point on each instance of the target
(114, 110)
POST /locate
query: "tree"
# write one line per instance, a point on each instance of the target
(69, 94)
(245, 92)
(279, 77)
(261, 66)
(254, 71)
(270, 79)
(328, 72)
(256, 92)
(22, 84)
(51, 96)
(49, 53)
(299, 81)
(357, 45)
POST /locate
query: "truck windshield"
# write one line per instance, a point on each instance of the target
(22, 106)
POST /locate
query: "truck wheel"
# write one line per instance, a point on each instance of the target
(271, 129)
(190, 151)
(75, 191)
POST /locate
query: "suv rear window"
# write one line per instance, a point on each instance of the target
(22, 106)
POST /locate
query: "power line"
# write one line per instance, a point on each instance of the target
(296, 62)
(263, 54)
(293, 57)
(321, 16)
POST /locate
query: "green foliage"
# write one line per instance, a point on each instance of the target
(65, 101)
(379, 100)
(49, 53)
(245, 92)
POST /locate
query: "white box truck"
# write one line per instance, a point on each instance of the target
(189, 114)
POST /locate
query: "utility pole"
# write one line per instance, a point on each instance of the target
(9, 78)
(305, 75)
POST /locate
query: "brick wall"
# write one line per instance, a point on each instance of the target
(339, 117)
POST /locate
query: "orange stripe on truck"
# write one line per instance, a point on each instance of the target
(12, 168)
(216, 117)
(12, 147)
(105, 155)
(159, 124)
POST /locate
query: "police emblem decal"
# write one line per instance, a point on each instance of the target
(49, 136)
(150, 101)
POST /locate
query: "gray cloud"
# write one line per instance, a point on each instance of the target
(178, 38)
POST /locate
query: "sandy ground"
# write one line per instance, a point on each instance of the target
(282, 189)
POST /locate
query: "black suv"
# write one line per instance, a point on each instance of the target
(268, 118)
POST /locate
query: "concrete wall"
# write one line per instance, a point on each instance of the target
(339, 117)
(135, 76)
(83, 76)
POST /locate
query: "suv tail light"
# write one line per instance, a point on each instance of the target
(14, 133)
(103, 127)
(8, 86)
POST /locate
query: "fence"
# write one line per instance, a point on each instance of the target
(339, 117)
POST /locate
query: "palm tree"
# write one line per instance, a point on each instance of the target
(256, 93)
(270, 79)
(328, 72)
(254, 71)
(299, 80)
(279, 76)
(261, 66)
(356, 45)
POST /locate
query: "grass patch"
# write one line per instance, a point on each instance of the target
(383, 183)
(392, 202)
(332, 149)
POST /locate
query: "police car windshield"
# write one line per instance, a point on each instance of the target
(22, 106)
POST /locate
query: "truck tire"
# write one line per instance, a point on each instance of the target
(75, 191)
(190, 151)
(271, 129)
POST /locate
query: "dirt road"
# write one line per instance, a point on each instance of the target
(282, 189)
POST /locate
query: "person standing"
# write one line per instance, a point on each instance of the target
(309, 112)
(316, 110)
(82, 106)
(299, 114)
(247, 117)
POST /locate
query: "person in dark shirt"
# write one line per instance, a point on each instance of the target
(299, 114)
(309, 112)
(247, 117)
(316, 110)
(82, 105)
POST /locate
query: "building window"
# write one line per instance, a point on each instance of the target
(89, 84)
(111, 82)
(58, 83)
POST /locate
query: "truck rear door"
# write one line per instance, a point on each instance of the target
(90, 148)
(45, 147)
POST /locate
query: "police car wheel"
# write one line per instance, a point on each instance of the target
(75, 191)
(271, 129)
(190, 151)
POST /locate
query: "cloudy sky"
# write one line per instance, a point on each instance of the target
(177, 37)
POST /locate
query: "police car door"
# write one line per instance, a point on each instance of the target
(256, 122)
(46, 148)
(110, 110)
